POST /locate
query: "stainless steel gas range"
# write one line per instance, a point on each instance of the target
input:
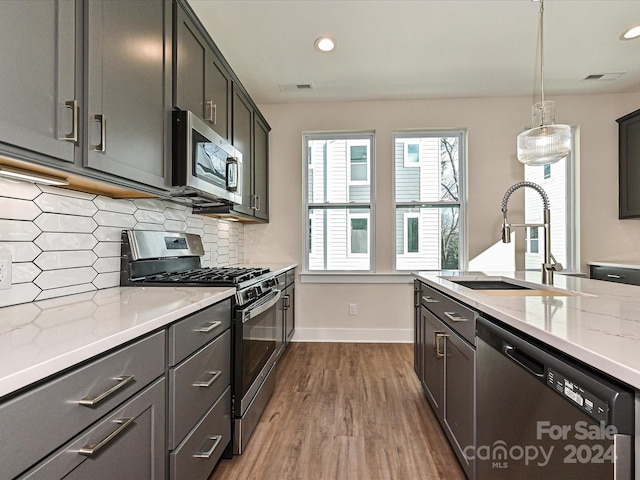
(152, 258)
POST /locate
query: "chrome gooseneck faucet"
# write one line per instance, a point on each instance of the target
(550, 264)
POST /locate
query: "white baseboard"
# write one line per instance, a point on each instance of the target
(353, 335)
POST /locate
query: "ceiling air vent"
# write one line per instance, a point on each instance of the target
(604, 76)
(293, 87)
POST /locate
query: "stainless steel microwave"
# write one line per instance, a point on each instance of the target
(204, 164)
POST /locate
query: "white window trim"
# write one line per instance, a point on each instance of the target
(358, 143)
(463, 247)
(407, 216)
(405, 157)
(370, 205)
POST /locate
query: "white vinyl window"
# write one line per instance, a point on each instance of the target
(339, 201)
(429, 199)
(559, 181)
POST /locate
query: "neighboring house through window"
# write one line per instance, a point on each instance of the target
(339, 201)
(429, 200)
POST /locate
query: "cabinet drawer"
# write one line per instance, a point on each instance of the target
(196, 384)
(132, 440)
(291, 276)
(460, 317)
(616, 274)
(196, 456)
(188, 335)
(37, 422)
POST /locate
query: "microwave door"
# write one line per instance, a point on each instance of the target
(209, 166)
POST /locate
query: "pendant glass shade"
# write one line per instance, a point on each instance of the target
(547, 142)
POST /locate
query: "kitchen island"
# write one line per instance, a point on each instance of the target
(487, 343)
(597, 323)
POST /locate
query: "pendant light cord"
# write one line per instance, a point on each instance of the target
(542, 50)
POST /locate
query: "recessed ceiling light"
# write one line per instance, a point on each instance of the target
(633, 32)
(325, 44)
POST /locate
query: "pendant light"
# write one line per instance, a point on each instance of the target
(545, 142)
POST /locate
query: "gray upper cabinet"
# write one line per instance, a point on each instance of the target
(202, 84)
(241, 139)
(261, 168)
(128, 65)
(38, 77)
(87, 89)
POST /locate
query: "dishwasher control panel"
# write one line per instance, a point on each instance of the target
(588, 402)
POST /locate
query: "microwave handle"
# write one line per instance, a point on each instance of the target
(232, 174)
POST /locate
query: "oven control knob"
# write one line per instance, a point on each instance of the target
(258, 291)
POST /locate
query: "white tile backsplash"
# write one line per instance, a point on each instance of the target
(64, 242)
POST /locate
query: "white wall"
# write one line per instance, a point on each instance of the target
(492, 125)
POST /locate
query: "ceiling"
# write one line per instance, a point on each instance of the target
(408, 49)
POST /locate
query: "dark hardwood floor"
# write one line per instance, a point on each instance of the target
(345, 411)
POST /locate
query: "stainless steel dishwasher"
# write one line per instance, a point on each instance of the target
(542, 416)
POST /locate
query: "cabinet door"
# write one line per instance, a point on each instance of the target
(133, 448)
(433, 374)
(459, 409)
(261, 168)
(241, 139)
(38, 58)
(629, 165)
(128, 74)
(202, 84)
(418, 334)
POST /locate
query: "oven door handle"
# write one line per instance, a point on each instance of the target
(265, 304)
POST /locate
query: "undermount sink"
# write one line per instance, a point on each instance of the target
(490, 285)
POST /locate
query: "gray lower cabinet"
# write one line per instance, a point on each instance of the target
(285, 310)
(630, 276)
(447, 373)
(199, 392)
(128, 445)
(53, 421)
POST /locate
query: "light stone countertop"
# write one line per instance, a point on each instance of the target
(599, 324)
(42, 338)
(635, 264)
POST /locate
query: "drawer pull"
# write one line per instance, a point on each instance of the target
(216, 440)
(455, 317)
(91, 450)
(611, 275)
(208, 383)
(94, 401)
(427, 299)
(208, 327)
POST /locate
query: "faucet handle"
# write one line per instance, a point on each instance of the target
(555, 266)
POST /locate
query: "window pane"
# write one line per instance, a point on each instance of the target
(434, 174)
(437, 229)
(358, 173)
(358, 154)
(339, 239)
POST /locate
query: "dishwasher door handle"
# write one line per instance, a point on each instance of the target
(525, 361)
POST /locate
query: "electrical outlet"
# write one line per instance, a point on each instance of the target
(5, 269)
(353, 309)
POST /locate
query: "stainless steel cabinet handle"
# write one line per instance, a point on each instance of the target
(208, 383)
(258, 203)
(427, 299)
(73, 136)
(93, 401)
(208, 327)
(92, 449)
(286, 302)
(611, 275)
(102, 146)
(213, 112)
(437, 336)
(216, 440)
(455, 317)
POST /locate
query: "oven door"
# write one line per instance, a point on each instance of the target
(255, 347)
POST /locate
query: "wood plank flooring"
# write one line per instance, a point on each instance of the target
(343, 411)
